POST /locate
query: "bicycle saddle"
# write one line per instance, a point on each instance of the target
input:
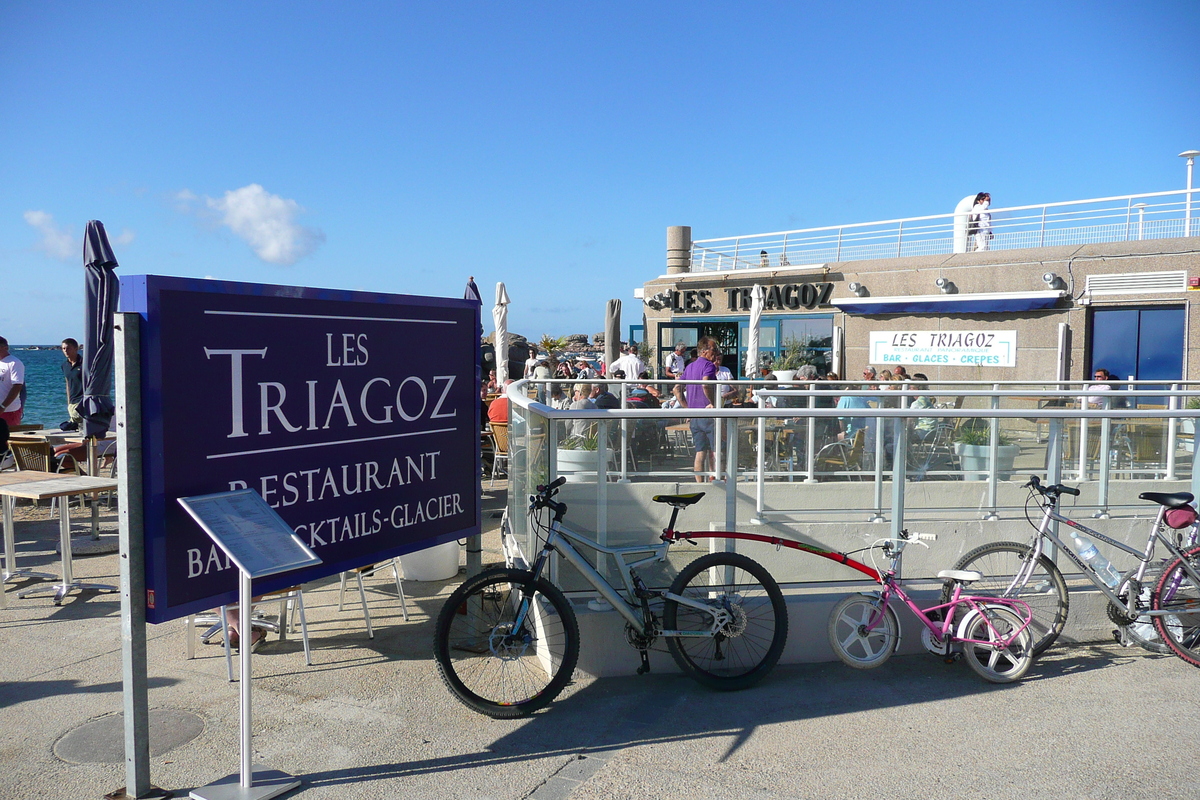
(679, 500)
(962, 575)
(1175, 500)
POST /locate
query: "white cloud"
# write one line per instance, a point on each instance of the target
(265, 221)
(127, 236)
(56, 242)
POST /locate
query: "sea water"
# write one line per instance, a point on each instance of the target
(45, 388)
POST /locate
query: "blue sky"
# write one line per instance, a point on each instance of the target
(401, 147)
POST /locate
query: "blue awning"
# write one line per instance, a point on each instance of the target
(983, 303)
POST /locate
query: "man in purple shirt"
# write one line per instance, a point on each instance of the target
(702, 396)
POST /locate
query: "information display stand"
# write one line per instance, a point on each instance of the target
(261, 544)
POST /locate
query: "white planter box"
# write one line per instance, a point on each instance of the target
(974, 458)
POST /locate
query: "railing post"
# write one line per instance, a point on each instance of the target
(731, 469)
(1105, 462)
(880, 453)
(624, 435)
(899, 473)
(993, 457)
(717, 436)
(899, 237)
(1042, 237)
(1054, 459)
(1128, 217)
(1172, 433)
(810, 446)
(737, 247)
(838, 256)
(760, 463)
(1083, 440)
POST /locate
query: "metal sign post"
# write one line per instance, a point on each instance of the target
(261, 544)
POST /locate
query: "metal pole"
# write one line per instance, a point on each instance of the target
(880, 435)
(993, 458)
(245, 637)
(132, 561)
(1105, 462)
(1172, 433)
(899, 474)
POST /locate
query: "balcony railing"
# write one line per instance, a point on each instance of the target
(1157, 215)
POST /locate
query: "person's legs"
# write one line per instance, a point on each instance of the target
(702, 436)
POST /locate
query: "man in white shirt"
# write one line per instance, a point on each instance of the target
(629, 363)
(531, 362)
(676, 361)
(12, 381)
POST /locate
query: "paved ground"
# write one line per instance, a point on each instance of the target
(370, 718)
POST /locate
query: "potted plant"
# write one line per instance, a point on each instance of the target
(576, 457)
(972, 445)
(795, 354)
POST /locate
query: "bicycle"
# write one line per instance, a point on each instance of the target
(992, 634)
(1015, 570)
(507, 640)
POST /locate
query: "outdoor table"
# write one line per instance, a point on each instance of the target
(11, 572)
(45, 489)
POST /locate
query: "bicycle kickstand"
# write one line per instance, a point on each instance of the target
(645, 667)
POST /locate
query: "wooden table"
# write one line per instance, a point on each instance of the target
(43, 489)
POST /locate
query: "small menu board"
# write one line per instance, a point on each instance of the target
(250, 532)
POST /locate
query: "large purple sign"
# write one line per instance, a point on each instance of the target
(354, 415)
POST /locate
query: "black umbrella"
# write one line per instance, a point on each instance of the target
(102, 289)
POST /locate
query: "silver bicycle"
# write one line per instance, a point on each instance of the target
(507, 641)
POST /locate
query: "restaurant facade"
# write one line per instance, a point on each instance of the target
(1062, 290)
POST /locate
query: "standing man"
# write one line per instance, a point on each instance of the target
(703, 368)
(629, 363)
(72, 369)
(676, 362)
(12, 381)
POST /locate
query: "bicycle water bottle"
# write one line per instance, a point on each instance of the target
(1088, 552)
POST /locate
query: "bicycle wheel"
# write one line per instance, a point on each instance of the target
(747, 638)
(849, 638)
(996, 664)
(1045, 591)
(1178, 593)
(489, 662)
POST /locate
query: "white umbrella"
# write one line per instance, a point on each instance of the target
(500, 317)
(758, 297)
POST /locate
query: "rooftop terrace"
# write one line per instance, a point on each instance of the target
(1156, 215)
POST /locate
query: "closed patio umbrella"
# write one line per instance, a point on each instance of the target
(612, 335)
(757, 300)
(500, 317)
(102, 289)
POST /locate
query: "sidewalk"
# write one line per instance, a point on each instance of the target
(371, 719)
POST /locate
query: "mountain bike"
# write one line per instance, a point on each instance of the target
(990, 633)
(1172, 604)
(507, 640)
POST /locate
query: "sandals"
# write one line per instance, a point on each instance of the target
(257, 637)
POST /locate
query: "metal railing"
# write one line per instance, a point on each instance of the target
(1156, 215)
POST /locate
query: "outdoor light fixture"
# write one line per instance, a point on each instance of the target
(1052, 280)
(946, 286)
(857, 289)
(659, 301)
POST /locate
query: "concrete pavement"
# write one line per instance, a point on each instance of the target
(371, 719)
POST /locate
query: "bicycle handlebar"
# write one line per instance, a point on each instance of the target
(543, 498)
(1052, 491)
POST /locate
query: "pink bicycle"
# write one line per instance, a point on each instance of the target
(991, 633)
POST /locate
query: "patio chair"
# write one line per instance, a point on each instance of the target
(290, 602)
(368, 572)
(499, 448)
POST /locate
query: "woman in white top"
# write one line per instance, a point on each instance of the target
(981, 220)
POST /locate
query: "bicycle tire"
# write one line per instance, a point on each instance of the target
(848, 638)
(993, 664)
(1179, 593)
(489, 667)
(1045, 591)
(747, 647)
